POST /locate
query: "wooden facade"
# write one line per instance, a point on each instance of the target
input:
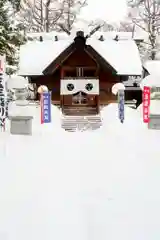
(80, 61)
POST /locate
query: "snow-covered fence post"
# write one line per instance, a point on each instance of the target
(2, 93)
(118, 89)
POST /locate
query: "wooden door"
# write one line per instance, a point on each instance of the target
(80, 99)
(83, 99)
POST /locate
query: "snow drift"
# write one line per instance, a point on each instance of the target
(81, 186)
(111, 123)
(35, 111)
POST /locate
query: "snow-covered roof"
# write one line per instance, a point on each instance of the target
(153, 67)
(122, 55)
(47, 35)
(155, 107)
(121, 35)
(151, 81)
(36, 56)
(107, 35)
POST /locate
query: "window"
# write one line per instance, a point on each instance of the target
(89, 87)
(89, 72)
(70, 87)
(70, 73)
(80, 72)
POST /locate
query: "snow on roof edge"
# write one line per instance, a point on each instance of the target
(152, 66)
(122, 55)
(36, 56)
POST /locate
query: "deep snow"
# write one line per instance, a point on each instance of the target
(92, 185)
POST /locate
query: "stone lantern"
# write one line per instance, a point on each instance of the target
(18, 111)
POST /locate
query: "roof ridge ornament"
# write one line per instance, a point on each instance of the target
(116, 38)
(94, 30)
(40, 38)
(101, 38)
(81, 33)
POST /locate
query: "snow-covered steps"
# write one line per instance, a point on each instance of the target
(81, 123)
(79, 111)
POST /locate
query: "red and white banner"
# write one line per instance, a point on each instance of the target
(146, 104)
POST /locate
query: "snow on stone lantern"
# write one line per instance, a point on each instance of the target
(42, 89)
(18, 111)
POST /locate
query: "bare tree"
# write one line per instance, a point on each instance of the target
(147, 17)
(71, 8)
(48, 15)
(40, 15)
(126, 26)
(105, 26)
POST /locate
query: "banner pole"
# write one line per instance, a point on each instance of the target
(41, 105)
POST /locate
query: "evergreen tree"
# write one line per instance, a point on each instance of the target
(15, 4)
(10, 35)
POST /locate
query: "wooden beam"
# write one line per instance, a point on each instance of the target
(59, 60)
(61, 96)
(66, 67)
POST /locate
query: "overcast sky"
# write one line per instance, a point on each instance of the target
(110, 10)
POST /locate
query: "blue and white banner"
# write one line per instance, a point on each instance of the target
(46, 107)
(121, 105)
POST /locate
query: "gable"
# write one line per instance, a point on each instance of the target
(77, 54)
(80, 58)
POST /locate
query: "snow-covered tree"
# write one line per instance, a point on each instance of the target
(71, 8)
(10, 36)
(40, 15)
(146, 15)
(127, 25)
(15, 4)
(49, 15)
(106, 27)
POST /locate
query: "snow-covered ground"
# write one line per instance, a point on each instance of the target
(85, 185)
